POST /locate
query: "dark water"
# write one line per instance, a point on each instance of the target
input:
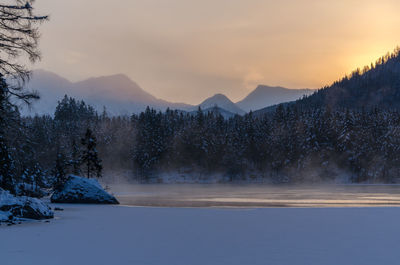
(257, 195)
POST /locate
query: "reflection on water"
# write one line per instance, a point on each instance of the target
(256, 195)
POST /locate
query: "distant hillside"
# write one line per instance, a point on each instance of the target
(216, 110)
(120, 95)
(117, 92)
(221, 101)
(377, 85)
(271, 109)
(264, 96)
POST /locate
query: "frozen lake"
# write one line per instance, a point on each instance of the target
(257, 195)
(102, 235)
(125, 235)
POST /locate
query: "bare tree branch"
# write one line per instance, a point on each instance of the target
(19, 37)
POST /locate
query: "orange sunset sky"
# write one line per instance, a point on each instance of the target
(185, 51)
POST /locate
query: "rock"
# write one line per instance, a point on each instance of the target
(12, 207)
(82, 190)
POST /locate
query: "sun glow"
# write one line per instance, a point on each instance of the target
(187, 51)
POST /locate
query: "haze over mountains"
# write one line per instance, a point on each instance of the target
(118, 93)
(121, 95)
(222, 101)
(264, 96)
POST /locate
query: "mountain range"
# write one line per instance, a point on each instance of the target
(120, 95)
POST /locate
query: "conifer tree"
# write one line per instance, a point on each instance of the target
(89, 158)
(75, 160)
(6, 162)
(59, 171)
(6, 166)
(18, 38)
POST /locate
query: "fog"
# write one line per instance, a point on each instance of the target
(256, 195)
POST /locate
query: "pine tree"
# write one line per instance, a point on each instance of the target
(75, 159)
(6, 162)
(6, 166)
(59, 171)
(89, 156)
(18, 39)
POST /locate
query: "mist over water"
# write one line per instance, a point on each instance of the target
(256, 195)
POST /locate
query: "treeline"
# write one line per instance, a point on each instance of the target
(290, 144)
(375, 85)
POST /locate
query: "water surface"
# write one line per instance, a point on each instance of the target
(257, 195)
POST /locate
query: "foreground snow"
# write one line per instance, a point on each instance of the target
(94, 234)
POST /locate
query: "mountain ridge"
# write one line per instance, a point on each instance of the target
(223, 102)
(122, 95)
(117, 92)
(264, 96)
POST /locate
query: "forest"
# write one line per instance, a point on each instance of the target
(348, 131)
(289, 145)
(376, 85)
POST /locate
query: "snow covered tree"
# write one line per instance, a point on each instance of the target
(290, 144)
(6, 166)
(59, 171)
(151, 141)
(89, 158)
(6, 162)
(75, 162)
(18, 38)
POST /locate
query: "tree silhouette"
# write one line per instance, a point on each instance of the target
(19, 37)
(89, 155)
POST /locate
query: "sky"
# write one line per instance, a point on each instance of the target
(186, 51)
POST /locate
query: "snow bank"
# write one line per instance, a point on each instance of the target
(22, 207)
(82, 190)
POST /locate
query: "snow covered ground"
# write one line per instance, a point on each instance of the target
(98, 234)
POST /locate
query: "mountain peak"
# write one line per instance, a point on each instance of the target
(264, 96)
(116, 78)
(221, 101)
(122, 77)
(270, 88)
(117, 92)
(218, 97)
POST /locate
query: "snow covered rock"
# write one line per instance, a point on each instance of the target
(82, 190)
(22, 207)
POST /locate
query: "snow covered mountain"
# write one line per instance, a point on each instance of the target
(223, 102)
(118, 93)
(264, 96)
